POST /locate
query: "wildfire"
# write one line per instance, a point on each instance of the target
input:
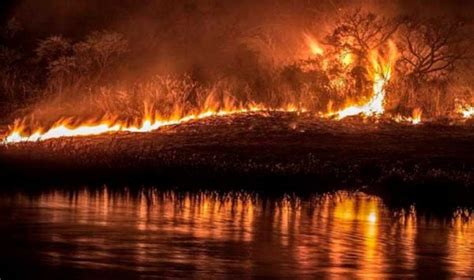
(380, 73)
(150, 122)
(466, 111)
(381, 70)
(379, 67)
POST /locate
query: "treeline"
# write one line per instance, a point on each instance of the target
(433, 59)
(98, 71)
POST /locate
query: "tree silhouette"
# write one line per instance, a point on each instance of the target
(430, 48)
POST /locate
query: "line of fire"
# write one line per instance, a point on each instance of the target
(401, 69)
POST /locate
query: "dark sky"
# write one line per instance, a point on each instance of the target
(6, 8)
(63, 15)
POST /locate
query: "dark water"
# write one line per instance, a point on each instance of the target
(104, 234)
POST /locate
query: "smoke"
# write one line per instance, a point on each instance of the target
(239, 42)
(203, 37)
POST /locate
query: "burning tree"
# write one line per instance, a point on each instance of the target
(355, 35)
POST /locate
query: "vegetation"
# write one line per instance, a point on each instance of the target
(97, 70)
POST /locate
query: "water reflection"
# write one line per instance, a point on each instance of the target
(207, 234)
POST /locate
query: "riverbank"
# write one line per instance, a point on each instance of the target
(429, 164)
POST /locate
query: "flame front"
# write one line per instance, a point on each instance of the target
(150, 122)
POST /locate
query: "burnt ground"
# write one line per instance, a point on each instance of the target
(429, 164)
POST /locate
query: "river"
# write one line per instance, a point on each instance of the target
(106, 233)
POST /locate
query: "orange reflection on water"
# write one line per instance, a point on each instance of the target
(461, 243)
(212, 234)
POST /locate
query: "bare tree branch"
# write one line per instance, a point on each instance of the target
(431, 47)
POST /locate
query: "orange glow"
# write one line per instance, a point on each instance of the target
(467, 112)
(416, 116)
(379, 67)
(321, 234)
(150, 122)
(414, 119)
(372, 217)
(313, 45)
(380, 73)
(346, 58)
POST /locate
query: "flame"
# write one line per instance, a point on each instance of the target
(150, 122)
(416, 116)
(346, 58)
(467, 112)
(381, 71)
(313, 44)
(414, 119)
